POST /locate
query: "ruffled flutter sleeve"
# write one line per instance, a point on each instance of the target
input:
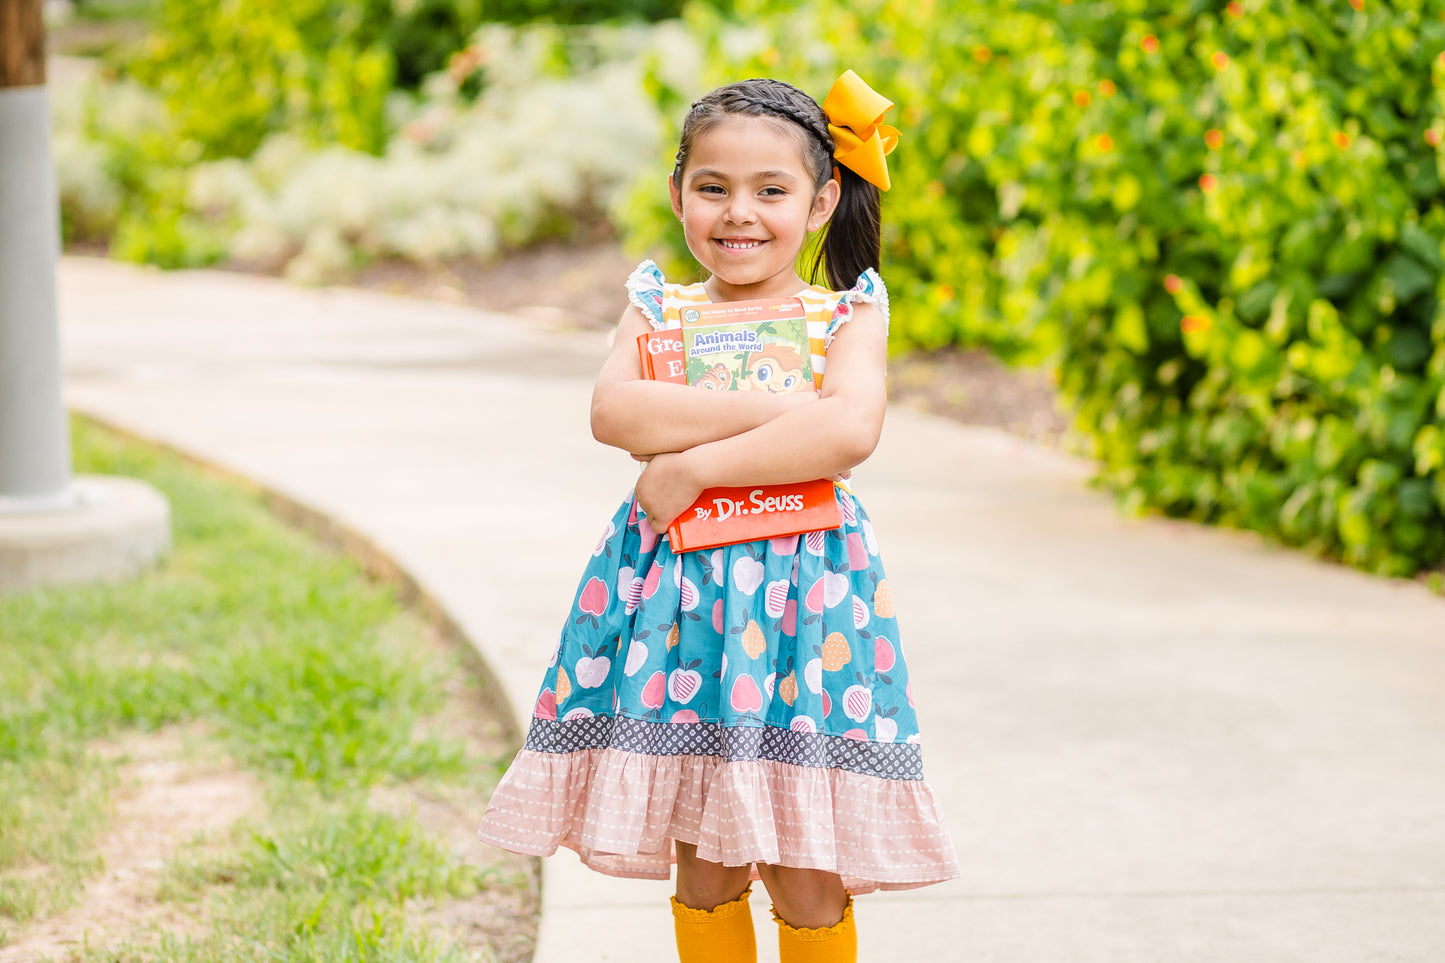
(869, 289)
(644, 289)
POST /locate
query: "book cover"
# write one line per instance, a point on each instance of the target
(747, 346)
(753, 345)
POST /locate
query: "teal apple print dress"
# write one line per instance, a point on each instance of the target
(752, 700)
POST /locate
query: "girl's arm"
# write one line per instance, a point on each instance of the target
(647, 417)
(813, 441)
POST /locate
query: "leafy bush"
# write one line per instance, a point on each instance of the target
(1224, 223)
(560, 123)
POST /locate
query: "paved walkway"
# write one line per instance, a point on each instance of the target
(1154, 742)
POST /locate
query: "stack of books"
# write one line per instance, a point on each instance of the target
(757, 345)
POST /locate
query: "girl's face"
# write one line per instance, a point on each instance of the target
(747, 204)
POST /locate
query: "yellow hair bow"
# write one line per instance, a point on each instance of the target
(854, 110)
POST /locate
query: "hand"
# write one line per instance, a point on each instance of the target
(666, 488)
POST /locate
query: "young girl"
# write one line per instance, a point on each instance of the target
(743, 712)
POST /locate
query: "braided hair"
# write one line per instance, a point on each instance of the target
(852, 241)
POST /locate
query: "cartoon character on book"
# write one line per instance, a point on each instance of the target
(778, 367)
(716, 378)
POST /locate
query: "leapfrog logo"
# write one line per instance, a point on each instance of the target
(691, 315)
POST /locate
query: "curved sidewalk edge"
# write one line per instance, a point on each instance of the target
(1153, 741)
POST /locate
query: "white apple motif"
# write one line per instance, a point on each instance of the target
(747, 574)
(690, 596)
(885, 729)
(636, 655)
(591, 673)
(868, 538)
(581, 712)
(857, 703)
(814, 541)
(607, 533)
(813, 675)
(860, 613)
(683, 684)
(775, 600)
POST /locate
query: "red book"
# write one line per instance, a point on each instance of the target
(732, 346)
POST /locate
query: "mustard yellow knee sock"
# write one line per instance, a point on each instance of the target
(827, 944)
(723, 934)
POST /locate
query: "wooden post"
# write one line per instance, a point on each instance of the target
(22, 43)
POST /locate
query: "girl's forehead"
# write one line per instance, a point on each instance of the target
(753, 143)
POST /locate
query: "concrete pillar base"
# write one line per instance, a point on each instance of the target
(112, 529)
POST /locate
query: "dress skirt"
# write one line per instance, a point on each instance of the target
(752, 700)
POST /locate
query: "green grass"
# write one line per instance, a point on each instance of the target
(292, 664)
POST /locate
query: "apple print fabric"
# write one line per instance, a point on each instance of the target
(753, 700)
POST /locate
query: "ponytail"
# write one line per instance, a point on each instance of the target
(854, 239)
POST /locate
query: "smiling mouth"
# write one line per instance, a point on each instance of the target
(738, 245)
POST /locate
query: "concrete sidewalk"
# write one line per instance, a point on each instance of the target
(1155, 742)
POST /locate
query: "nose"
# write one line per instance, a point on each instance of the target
(739, 209)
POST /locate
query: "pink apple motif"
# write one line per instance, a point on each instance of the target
(655, 692)
(803, 724)
(683, 684)
(883, 655)
(654, 578)
(747, 574)
(546, 705)
(631, 513)
(745, 695)
(885, 728)
(581, 712)
(775, 599)
(857, 703)
(717, 616)
(814, 599)
(827, 704)
(790, 617)
(684, 715)
(591, 673)
(783, 545)
(857, 552)
(860, 613)
(636, 655)
(647, 537)
(690, 596)
(857, 735)
(593, 600)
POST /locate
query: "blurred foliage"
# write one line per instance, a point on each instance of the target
(1223, 223)
(581, 11)
(482, 159)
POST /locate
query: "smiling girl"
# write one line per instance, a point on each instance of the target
(743, 712)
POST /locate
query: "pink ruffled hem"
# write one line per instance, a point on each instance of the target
(621, 811)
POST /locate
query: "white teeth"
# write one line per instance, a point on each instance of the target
(738, 245)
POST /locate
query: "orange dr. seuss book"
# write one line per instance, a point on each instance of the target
(742, 346)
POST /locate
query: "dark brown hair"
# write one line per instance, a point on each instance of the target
(853, 239)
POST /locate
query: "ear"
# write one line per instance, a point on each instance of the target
(825, 202)
(676, 193)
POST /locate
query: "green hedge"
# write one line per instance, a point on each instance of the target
(1223, 223)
